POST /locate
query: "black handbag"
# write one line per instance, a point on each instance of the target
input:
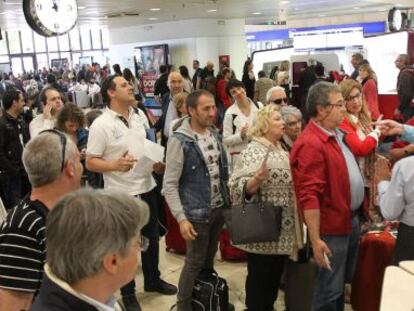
(254, 222)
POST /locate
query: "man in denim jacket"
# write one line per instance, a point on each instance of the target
(195, 187)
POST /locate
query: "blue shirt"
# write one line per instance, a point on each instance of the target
(408, 134)
(396, 197)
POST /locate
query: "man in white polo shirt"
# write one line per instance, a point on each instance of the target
(113, 142)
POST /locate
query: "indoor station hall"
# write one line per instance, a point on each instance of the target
(206, 155)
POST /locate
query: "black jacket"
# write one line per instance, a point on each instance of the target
(159, 126)
(11, 148)
(54, 298)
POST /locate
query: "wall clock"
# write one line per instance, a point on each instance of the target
(51, 17)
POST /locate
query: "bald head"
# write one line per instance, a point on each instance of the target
(175, 82)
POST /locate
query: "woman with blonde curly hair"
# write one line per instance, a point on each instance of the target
(265, 261)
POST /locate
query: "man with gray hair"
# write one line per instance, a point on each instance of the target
(405, 87)
(93, 249)
(330, 191)
(277, 95)
(175, 83)
(53, 165)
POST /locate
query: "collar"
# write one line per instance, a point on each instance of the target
(116, 115)
(268, 144)
(319, 131)
(252, 105)
(109, 306)
(11, 118)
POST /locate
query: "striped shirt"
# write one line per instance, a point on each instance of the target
(22, 246)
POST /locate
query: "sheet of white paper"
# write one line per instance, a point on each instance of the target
(135, 144)
(151, 154)
(153, 151)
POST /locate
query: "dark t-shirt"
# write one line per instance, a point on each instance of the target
(23, 247)
(161, 86)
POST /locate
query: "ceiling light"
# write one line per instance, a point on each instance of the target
(296, 9)
(81, 7)
(322, 15)
(155, 9)
(152, 18)
(356, 8)
(284, 2)
(212, 10)
(256, 13)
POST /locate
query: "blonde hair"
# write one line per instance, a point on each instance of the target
(284, 66)
(179, 100)
(364, 117)
(261, 124)
(371, 72)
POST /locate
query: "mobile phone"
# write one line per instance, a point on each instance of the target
(327, 261)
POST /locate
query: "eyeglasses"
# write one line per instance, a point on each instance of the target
(339, 105)
(280, 100)
(293, 123)
(63, 141)
(144, 243)
(352, 98)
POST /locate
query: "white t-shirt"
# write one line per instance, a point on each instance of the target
(107, 140)
(211, 153)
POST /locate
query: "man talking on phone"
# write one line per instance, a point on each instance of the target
(110, 151)
(52, 103)
(330, 191)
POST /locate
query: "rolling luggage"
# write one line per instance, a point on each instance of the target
(228, 251)
(173, 239)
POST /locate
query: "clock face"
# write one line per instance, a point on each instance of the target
(51, 17)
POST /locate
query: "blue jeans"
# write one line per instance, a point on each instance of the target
(329, 285)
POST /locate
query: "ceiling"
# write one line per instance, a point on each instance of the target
(254, 11)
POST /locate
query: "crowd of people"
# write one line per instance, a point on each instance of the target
(225, 141)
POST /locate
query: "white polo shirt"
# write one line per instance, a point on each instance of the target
(107, 141)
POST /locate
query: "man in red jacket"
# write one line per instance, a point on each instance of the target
(330, 191)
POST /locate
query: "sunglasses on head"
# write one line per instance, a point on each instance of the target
(280, 100)
(63, 141)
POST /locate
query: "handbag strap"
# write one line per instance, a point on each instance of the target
(259, 195)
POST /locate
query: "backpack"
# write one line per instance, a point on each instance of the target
(210, 293)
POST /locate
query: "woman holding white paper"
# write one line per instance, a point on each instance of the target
(238, 118)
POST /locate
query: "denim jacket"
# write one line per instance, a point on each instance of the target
(187, 180)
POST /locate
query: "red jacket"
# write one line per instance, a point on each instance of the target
(370, 95)
(321, 179)
(221, 92)
(360, 148)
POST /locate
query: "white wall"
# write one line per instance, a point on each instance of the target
(202, 39)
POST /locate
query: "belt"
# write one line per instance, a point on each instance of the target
(234, 153)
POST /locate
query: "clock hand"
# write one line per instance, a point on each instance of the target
(55, 6)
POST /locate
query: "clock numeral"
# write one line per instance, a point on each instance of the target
(57, 26)
(39, 6)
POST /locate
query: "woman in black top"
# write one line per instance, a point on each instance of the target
(248, 78)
